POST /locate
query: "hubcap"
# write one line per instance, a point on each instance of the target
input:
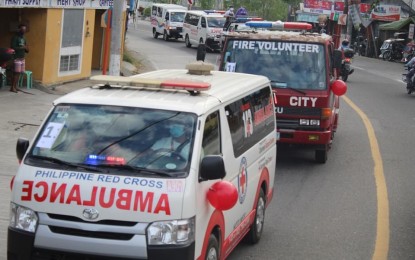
(212, 255)
(260, 215)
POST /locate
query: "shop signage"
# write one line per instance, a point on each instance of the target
(66, 4)
(388, 13)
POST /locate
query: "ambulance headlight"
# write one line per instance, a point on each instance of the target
(174, 232)
(23, 218)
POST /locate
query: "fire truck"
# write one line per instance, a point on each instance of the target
(302, 67)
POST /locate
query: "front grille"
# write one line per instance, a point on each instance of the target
(90, 234)
(283, 123)
(179, 29)
(101, 222)
(44, 254)
(299, 111)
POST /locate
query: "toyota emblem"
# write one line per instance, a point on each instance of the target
(90, 214)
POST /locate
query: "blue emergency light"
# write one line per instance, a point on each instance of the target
(279, 25)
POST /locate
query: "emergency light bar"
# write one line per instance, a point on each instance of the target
(280, 25)
(214, 11)
(151, 83)
(247, 19)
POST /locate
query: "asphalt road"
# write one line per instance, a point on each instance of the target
(333, 211)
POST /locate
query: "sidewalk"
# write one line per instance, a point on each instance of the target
(127, 69)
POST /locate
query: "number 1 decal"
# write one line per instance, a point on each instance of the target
(49, 135)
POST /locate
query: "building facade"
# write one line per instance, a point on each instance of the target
(65, 37)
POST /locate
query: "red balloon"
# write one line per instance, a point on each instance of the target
(222, 195)
(339, 87)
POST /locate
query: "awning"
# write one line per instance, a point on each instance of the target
(397, 25)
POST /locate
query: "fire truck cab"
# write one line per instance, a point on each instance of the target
(302, 69)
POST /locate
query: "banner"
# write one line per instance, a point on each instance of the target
(387, 13)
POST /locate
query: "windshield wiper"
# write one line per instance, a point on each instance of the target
(58, 161)
(135, 169)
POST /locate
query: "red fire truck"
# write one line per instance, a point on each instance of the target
(301, 66)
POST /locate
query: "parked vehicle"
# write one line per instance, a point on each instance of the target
(301, 66)
(167, 20)
(391, 49)
(346, 69)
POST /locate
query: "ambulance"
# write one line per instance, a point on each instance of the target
(169, 164)
(167, 20)
(203, 27)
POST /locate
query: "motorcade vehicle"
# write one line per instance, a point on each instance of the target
(237, 24)
(169, 164)
(346, 68)
(167, 20)
(302, 67)
(410, 86)
(391, 49)
(203, 27)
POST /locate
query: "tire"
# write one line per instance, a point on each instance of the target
(165, 36)
(255, 233)
(344, 77)
(212, 251)
(155, 34)
(321, 155)
(187, 41)
(386, 55)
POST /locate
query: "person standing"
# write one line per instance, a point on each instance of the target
(19, 45)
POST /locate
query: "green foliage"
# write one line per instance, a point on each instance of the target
(147, 12)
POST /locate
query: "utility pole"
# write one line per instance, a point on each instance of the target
(116, 36)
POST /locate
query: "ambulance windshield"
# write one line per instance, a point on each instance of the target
(287, 64)
(147, 141)
(216, 22)
(177, 17)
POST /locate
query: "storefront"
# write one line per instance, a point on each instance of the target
(65, 37)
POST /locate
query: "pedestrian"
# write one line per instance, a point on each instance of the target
(19, 45)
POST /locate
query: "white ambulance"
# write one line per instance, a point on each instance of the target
(170, 164)
(167, 20)
(203, 27)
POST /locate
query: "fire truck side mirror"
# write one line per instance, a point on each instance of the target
(337, 59)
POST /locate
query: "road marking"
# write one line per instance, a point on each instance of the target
(382, 227)
(379, 74)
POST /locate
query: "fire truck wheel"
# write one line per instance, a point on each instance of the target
(155, 34)
(321, 156)
(212, 251)
(187, 41)
(257, 227)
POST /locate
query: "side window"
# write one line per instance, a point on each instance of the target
(250, 119)
(154, 10)
(159, 12)
(167, 16)
(211, 135)
(203, 22)
(186, 18)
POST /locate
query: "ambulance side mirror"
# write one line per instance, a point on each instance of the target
(212, 167)
(337, 59)
(21, 148)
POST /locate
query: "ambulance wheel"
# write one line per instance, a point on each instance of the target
(257, 227)
(165, 36)
(321, 155)
(187, 41)
(212, 251)
(155, 34)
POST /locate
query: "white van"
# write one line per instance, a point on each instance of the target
(167, 20)
(201, 27)
(170, 164)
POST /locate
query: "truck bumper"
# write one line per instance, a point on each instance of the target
(19, 244)
(312, 138)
